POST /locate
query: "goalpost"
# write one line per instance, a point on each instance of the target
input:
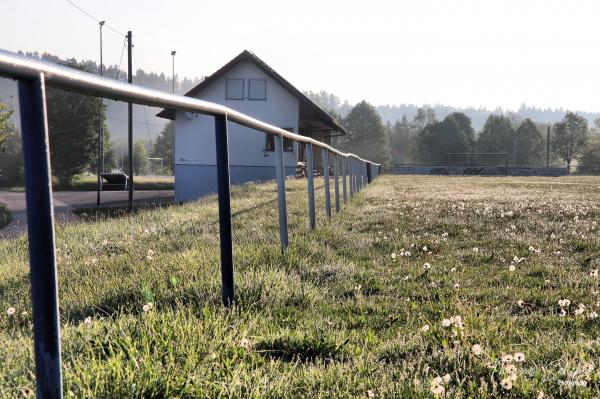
(478, 160)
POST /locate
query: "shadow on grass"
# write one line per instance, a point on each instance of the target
(300, 348)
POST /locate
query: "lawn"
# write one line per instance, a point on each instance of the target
(421, 286)
(5, 217)
(88, 182)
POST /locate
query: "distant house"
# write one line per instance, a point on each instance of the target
(248, 85)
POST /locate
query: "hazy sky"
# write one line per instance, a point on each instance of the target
(456, 52)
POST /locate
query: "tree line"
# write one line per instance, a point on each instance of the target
(427, 140)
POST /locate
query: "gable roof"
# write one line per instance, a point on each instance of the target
(308, 109)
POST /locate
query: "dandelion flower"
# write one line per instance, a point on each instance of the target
(24, 313)
(425, 328)
(370, 394)
(476, 250)
(11, 311)
(519, 357)
(506, 384)
(147, 307)
(437, 389)
(520, 303)
(588, 367)
(394, 255)
(594, 273)
(426, 266)
(476, 349)
(512, 268)
(506, 359)
(453, 269)
(436, 381)
(87, 320)
(245, 343)
(564, 303)
(446, 323)
(456, 286)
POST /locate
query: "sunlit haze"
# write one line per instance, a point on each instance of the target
(461, 53)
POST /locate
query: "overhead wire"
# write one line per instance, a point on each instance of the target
(94, 18)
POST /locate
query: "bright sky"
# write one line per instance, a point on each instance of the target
(455, 52)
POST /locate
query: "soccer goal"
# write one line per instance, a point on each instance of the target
(478, 163)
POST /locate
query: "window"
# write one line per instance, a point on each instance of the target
(234, 89)
(257, 89)
(288, 145)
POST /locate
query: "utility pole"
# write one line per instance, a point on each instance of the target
(173, 55)
(130, 121)
(548, 146)
(100, 132)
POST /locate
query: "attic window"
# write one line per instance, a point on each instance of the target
(257, 89)
(235, 89)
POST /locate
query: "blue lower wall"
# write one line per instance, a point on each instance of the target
(195, 181)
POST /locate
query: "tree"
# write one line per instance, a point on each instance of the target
(7, 128)
(73, 122)
(497, 135)
(11, 164)
(402, 141)
(164, 146)
(569, 137)
(453, 134)
(529, 144)
(366, 134)
(140, 157)
(425, 116)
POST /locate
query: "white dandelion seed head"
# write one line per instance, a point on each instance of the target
(476, 349)
(11, 311)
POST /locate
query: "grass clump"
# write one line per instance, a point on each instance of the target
(420, 286)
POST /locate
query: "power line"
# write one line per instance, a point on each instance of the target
(94, 18)
(137, 77)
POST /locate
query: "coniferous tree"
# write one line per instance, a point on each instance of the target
(453, 134)
(367, 135)
(529, 148)
(164, 146)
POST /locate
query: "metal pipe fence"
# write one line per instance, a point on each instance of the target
(33, 76)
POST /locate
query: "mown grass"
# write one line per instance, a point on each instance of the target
(343, 312)
(89, 183)
(5, 217)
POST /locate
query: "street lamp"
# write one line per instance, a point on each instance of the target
(173, 55)
(100, 134)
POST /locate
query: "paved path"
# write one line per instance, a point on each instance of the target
(67, 201)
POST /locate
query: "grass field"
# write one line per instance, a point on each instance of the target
(364, 307)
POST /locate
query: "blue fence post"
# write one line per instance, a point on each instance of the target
(310, 175)
(40, 228)
(325, 153)
(281, 203)
(225, 236)
(345, 196)
(369, 177)
(351, 176)
(336, 183)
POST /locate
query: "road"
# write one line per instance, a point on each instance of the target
(67, 201)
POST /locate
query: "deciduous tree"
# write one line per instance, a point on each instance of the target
(569, 137)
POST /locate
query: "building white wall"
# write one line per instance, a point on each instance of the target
(195, 157)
